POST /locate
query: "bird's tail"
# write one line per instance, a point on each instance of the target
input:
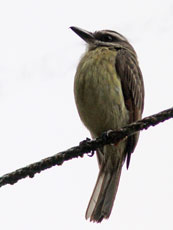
(103, 196)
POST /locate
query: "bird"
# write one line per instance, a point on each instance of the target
(109, 94)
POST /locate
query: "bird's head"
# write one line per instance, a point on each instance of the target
(106, 38)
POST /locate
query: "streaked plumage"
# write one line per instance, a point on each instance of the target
(109, 94)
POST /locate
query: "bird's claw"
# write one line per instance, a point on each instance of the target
(105, 135)
(85, 142)
(91, 154)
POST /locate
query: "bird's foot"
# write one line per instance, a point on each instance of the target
(91, 153)
(105, 135)
(85, 143)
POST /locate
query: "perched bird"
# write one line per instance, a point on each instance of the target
(109, 94)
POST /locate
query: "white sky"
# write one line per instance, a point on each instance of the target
(38, 59)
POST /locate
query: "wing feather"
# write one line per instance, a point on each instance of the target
(128, 70)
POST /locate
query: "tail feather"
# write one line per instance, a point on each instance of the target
(95, 195)
(104, 193)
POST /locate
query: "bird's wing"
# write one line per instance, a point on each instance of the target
(128, 70)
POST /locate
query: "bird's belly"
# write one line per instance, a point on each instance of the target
(98, 92)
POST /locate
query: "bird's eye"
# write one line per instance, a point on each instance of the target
(106, 38)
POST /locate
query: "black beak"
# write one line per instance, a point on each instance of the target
(85, 35)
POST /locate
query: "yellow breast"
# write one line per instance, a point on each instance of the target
(98, 92)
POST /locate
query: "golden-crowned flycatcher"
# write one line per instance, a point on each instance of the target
(109, 94)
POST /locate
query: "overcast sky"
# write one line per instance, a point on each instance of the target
(38, 117)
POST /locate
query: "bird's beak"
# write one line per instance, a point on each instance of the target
(85, 35)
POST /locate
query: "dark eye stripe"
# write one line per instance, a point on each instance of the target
(109, 36)
(106, 38)
(116, 35)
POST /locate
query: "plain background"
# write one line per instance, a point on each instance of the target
(38, 117)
